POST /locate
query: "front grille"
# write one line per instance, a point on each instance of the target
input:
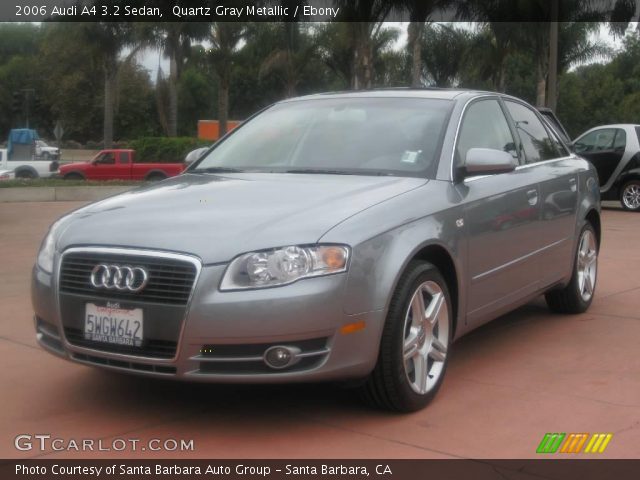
(163, 301)
(150, 348)
(170, 280)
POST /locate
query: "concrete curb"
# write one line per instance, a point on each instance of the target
(60, 194)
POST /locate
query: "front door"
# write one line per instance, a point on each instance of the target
(501, 214)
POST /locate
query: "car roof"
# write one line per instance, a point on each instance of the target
(435, 93)
(615, 125)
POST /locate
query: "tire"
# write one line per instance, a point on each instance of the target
(155, 177)
(630, 196)
(73, 176)
(577, 296)
(26, 175)
(394, 383)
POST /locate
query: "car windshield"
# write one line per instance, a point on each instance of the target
(363, 136)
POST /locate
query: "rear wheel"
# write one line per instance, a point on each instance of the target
(578, 295)
(25, 174)
(630, 196)
(415, 344)
(156, 177)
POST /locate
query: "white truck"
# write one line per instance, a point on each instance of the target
(27, 168)
(46, 152)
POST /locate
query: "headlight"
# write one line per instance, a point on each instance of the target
(48, 248)
(280, 266)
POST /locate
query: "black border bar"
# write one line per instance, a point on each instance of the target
(313, 10)
(336, 469)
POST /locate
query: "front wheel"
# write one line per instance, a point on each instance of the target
(73, 176)
(630, 196)
(415, 344)
(578, 295)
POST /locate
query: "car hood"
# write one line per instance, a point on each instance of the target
(217, 217)
(68, 166)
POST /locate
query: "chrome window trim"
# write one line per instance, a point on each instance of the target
(195, 261)
(522, 167)
(455, 138)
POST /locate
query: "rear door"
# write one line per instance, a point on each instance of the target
(551, 165)
(501, 215)
(604, 148)
(122, 169)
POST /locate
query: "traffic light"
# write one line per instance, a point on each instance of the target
(16, 102)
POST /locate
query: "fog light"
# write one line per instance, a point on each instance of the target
(280, 357)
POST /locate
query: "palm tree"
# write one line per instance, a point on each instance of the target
(174, 39)
(291, 57)
(108, 40)
(446, 53)
(366, 18)
(225, 38)
(419, 12)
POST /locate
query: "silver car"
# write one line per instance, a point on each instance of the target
(347, 237)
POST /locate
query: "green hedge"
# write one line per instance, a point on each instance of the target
(165, 149)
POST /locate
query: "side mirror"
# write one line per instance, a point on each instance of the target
(488, 161)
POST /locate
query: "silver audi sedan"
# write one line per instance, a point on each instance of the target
(348, 237)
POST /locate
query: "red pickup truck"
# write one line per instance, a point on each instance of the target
(119, 165)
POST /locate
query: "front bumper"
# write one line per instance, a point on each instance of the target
(225, 334)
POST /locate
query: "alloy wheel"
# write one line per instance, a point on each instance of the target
(426, 337)
(631, 196)
(587, 265)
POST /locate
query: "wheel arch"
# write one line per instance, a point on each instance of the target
(26, 168)
(442, 259)
(73, 173)
(593, 217)
(155, 172)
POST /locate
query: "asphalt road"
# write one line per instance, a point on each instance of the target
(508, 383)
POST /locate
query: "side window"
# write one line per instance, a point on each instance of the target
(106, 158)
(484, 126)
(620, 142)
(537, 143)
(596, 141)
(125, 158)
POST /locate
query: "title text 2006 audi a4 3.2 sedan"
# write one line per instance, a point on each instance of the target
(330, 237)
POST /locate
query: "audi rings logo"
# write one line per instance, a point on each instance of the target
(116, 277)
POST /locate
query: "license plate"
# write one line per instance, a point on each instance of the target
(121, 326)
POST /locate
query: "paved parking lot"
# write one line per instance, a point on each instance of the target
(508, 383)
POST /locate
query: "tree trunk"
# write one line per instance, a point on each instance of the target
(541, 85)
(223, 103)
(415, 45)
(362, 59)
(501, 83)
(109, 99)
(553, 57)
(173, 97)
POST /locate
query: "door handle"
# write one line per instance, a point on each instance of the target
(572, 184)
(532, 196)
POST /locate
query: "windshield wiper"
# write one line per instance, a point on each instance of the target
(320, 171)
(217, 170)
